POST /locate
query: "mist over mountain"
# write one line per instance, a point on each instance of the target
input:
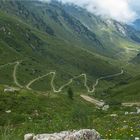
(126, 11)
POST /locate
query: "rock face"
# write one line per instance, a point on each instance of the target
(85, 134)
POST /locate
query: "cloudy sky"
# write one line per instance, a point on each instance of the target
(121, 10)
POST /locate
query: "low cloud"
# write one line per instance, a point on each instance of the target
(121, 10)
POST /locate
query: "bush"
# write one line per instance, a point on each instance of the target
(70, 93)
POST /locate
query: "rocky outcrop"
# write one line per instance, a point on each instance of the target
(85, 134)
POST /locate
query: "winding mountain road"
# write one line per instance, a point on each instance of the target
(11, 63)
(85, 97)
(14, 75)
(130, 104)
(36, 79)
(17, 63)
(71, 80)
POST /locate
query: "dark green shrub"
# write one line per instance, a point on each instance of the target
(70, 93)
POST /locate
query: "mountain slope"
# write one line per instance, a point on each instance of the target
(47, 47)
(129, 90)
(53, 20)
(117, 37)
(87, 31)
(22, 42)
(136, 59)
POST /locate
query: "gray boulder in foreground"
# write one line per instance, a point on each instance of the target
(85, 134)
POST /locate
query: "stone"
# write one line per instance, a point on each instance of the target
(8, 111)
(105, 108)
(29, 136)
(138, 110)
(11, 89)
(85, 134)
(114, 115)
(126, 113)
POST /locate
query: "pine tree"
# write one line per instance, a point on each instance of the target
(70, 93)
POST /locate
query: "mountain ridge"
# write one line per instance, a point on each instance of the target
(70, 28)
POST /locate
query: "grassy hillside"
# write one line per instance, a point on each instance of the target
(126, 91)
(22, 42)
(136, 59)
(53, 20)
(41, 113)
(56, 42)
